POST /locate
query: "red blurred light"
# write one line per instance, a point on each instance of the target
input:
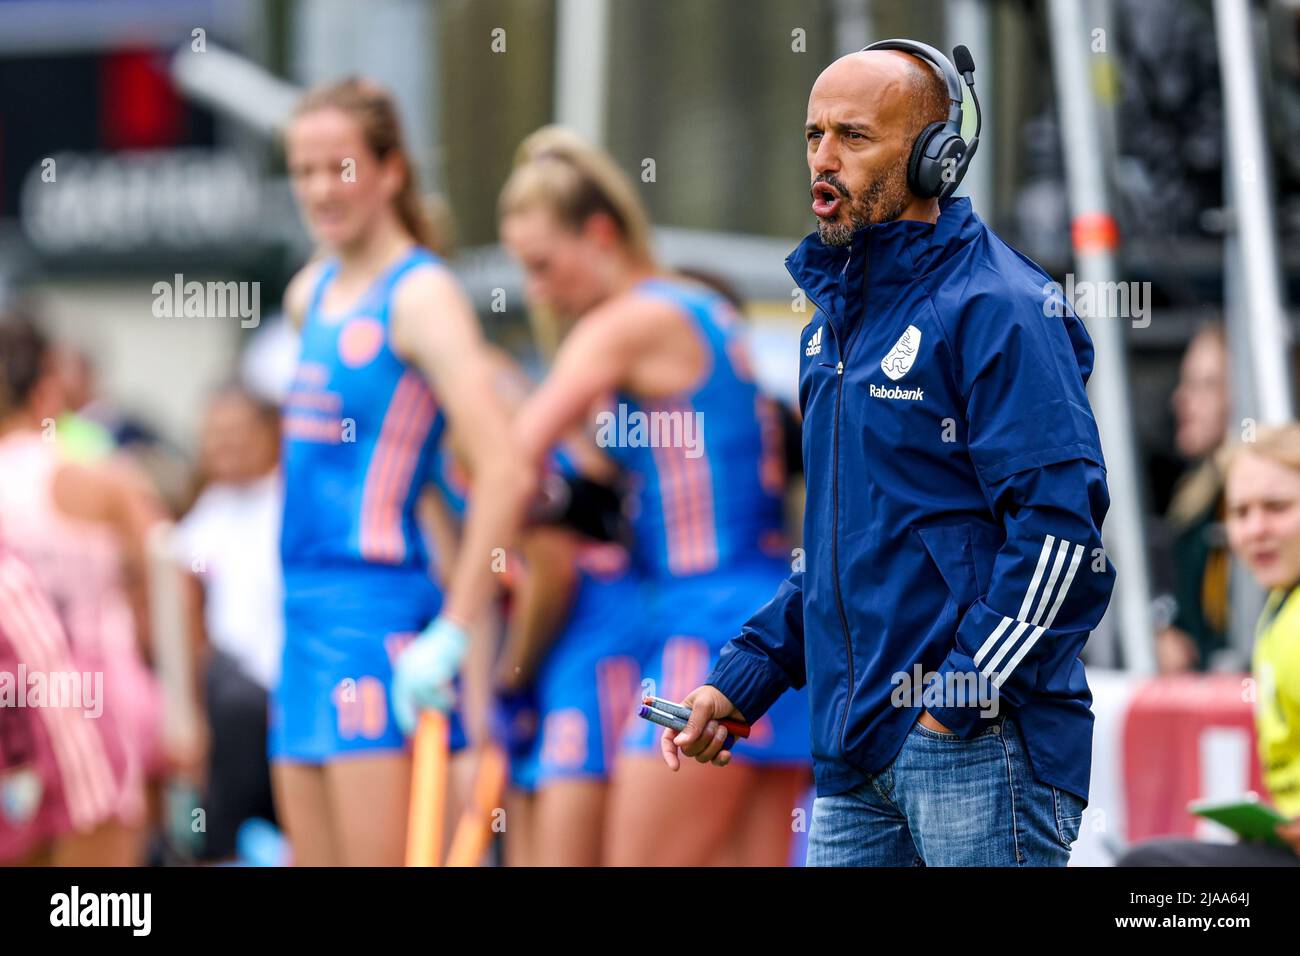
(138, 107)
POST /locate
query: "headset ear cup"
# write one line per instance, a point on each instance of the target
(924, 171)
(948, 162)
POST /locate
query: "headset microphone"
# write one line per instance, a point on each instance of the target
(961, 59)
(965, 64)
(940, 156)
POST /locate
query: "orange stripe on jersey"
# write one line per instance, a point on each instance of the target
(685, 488)
(406, 427)
(408, 456)
(701, 492)
(689, 555)
(670, 497)
(388, 511)
(693, 505)
(408, 453)
(699, 504)
(380, 515)
(400, 407)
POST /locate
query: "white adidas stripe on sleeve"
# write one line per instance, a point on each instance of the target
(1038, 593)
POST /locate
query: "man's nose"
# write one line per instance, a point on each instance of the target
(826, 158)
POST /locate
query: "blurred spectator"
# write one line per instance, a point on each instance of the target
(90, 428)
(82, 434)
(1198, 631)
(229, 542)
(63, 778)
(82, 528)
(1263, 525)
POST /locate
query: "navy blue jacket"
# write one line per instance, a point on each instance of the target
(956, 491)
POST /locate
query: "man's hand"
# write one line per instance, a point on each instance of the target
(929, 723)
(1290, 833)
(703, 736)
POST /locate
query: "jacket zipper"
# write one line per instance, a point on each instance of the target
(835, 518)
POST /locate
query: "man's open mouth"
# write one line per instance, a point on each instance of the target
(826, 201)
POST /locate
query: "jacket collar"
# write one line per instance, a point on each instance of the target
(899, 252)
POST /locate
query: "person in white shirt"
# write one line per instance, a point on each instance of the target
(229, 542)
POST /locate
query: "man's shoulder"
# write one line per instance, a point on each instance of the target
(992, 286)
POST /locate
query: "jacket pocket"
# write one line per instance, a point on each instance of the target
(950, 549)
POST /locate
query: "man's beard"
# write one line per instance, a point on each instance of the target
(883, 201)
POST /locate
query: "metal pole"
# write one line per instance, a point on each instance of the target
(1094, 234)
(971, 22)
(853, 25)
(1245, 596)
(1252, 219)
(581, 65)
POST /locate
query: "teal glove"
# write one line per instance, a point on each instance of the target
(422, 676)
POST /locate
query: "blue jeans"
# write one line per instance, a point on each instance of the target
(944, 801)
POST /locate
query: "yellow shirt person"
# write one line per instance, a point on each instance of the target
(1277, 705)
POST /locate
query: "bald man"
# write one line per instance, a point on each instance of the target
(956, 490)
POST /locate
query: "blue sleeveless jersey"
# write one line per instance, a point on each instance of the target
(706, 467)
(361, 436)
(708, 471)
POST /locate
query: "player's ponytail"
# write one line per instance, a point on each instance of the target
(557, 169)
(375, 111)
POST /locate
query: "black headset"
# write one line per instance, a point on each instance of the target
(939, 154)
